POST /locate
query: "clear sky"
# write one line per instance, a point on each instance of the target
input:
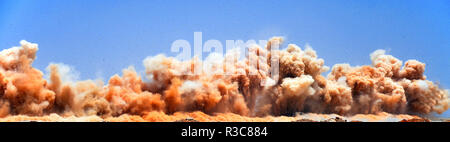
(101, 37)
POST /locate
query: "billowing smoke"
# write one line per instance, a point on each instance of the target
(218, 88)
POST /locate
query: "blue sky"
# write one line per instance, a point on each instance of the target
(101, 37)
